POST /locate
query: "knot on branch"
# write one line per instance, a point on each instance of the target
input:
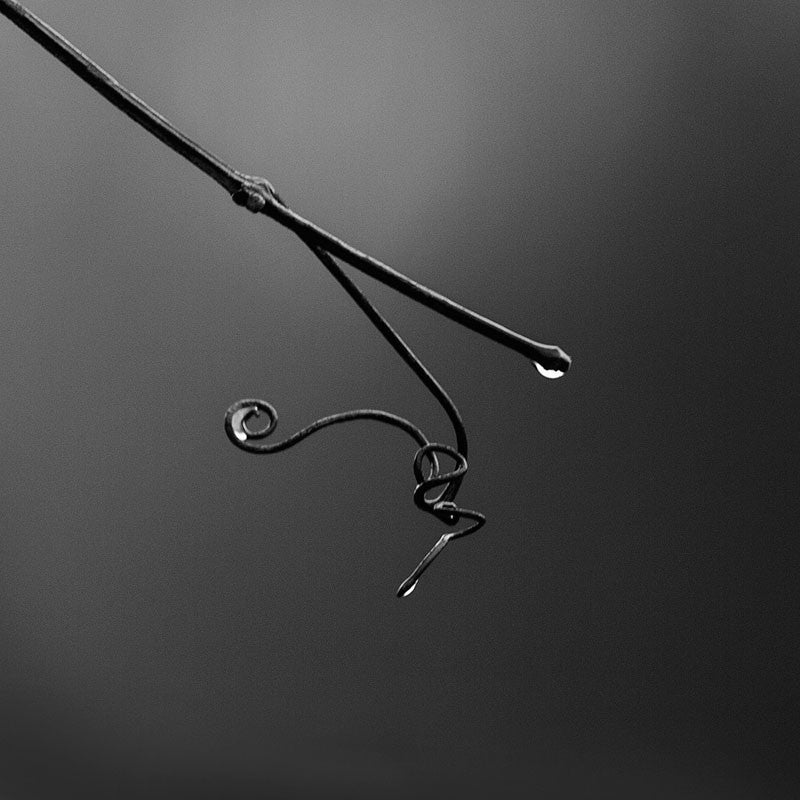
(255, 194)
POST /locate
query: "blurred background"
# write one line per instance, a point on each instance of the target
(181, 619)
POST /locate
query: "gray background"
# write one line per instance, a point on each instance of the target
(180, 619)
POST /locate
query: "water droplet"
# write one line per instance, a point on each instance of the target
(407, 591)
(547, 373)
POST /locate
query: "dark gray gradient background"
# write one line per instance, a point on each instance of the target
(179, 619)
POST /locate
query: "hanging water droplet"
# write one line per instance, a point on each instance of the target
(547, 373)
(407, 591)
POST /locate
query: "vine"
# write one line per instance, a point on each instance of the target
(259, 196)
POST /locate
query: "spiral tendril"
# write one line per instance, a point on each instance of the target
(246, 438)
(442, 506)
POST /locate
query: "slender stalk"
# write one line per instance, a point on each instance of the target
(548, 356)
(118, 95)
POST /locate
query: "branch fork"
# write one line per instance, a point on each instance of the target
(258, 196)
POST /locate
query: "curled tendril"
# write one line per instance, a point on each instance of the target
(244, 437)
(442, 506)
(249, 439)
(445, 510)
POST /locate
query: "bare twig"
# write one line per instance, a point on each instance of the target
(549, 357)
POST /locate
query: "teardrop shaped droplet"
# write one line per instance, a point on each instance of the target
(552, 374)
(407, 591)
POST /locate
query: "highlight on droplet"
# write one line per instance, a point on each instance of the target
(552, 374)
(405, 591)
(237, 424)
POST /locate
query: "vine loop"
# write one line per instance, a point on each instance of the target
(240, 413)
(443, 509)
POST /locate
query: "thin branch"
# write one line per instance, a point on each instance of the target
(549, 357)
